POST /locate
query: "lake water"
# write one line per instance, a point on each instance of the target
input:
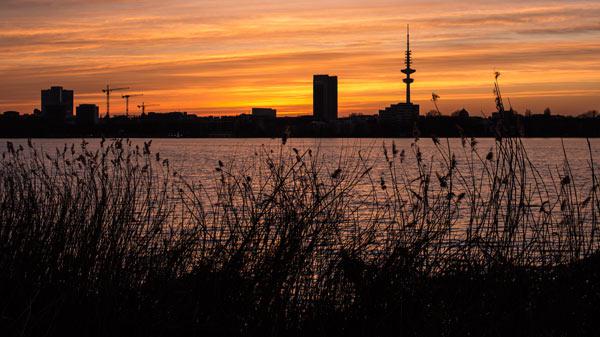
(197, 158)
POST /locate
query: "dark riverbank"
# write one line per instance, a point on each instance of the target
(156, 125)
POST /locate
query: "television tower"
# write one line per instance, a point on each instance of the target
(408, 70)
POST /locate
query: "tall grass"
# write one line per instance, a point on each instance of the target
(113, 241)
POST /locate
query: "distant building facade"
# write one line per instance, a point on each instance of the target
(11, 114)
(400, 112)
(87, 114)
(462, 113)
(57, 104)
(264, 112)
(325, 97)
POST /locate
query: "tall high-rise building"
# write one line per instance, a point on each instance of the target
(57, 103)
(325, 97)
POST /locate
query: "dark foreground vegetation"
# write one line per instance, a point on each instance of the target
(113, 242)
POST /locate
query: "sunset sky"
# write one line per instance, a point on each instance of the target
(226, 56)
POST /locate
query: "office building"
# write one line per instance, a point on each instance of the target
(325, 97)
(11, 114)
(87, 114)
(57, 104)
(264, 112)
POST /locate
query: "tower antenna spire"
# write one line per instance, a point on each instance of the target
(407, 37)
(408, 70)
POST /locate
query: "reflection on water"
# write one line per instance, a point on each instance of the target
(197, 158)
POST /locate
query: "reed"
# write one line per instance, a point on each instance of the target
(113, 241)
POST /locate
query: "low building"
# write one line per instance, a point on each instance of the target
(264, 112)
(87, 114)
(462, 113)
(399, 119)
(10, 114)
(400, 112)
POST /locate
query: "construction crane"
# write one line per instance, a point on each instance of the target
(143, 106)
(107, 91)
(126, 97)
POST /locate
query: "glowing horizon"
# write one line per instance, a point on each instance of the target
(225, 57)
